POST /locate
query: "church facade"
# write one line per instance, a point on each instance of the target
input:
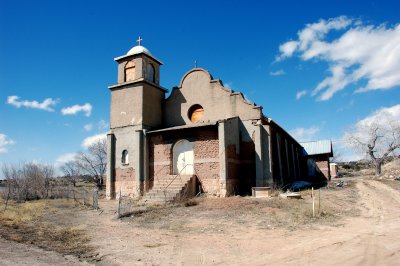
(201, 129)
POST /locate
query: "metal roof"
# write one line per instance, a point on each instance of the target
(317, 147)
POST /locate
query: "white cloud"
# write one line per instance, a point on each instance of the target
(73, 110)
(382, 116)
(4, 142)
(300, 94)
(287, 49)
(93, 139)
(88, 127)
(304, 134)
(279, 72)
(64, 158)
(369, 54)
(102, 124)
(45, 105)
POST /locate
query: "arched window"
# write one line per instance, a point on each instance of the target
(150, 72)
(196, 113)
(125, 157)
(130, 71)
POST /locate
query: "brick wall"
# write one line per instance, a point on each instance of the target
(160, 155)
(125, 182)
(324, 168)
(205, 150)
(206, 160)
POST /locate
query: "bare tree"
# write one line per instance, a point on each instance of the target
(27, 181)
(377, 139)
(93, 162)
(72, 171)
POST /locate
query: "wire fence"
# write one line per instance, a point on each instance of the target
(84, 196)
(126, 205)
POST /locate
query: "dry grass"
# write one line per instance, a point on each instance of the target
(52, 224)
(274, 212)
(26, 223)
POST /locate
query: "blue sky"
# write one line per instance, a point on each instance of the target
(63, 51)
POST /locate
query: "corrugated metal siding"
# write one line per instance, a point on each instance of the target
(317, 147)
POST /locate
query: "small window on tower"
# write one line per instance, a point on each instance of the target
(125, 157)
(150, 72)
(196, 113)
(130, 71)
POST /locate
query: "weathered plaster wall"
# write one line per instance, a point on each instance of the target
(197, 87)
(124, 140)
(285, 162)
(232, 150)
(266, 164)
(140, 62)
(126, 106)
(138, 104)
(125, 179)
(152, 106)
(110, 173)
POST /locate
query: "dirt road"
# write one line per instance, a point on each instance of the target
(370, 238)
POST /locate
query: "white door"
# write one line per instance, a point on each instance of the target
(183, 157)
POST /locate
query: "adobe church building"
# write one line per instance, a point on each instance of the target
(202, 133)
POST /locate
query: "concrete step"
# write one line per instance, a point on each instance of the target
(163, 181)
(170, 177)
(166, 189)
(162, 191)
(171, 184)
(176, 181)
(174, 192)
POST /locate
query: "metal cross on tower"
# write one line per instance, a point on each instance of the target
(139, 41)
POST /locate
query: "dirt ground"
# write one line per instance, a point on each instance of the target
(358, 225)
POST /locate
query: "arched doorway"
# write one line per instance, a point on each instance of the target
(183, 157)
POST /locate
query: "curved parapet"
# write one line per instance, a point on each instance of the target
(197, 87)
(206, 73)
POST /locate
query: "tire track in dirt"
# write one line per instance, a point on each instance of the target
(381, 208)
(369, 239)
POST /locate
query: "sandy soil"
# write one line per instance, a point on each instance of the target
(370, 238)
(13, 253)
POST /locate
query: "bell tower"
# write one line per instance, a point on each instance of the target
(136, 99)
(136, 106)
